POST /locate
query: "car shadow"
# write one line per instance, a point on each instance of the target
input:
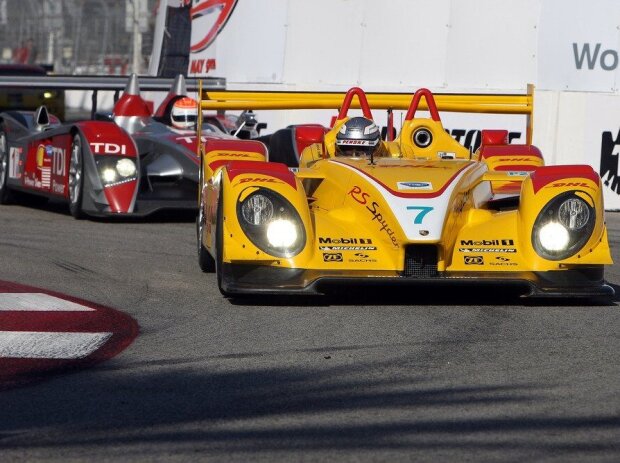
(60, 207)
(420, 295)
(361, 407)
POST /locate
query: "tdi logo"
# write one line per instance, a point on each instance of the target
(108, 148)
(473, 260)
(608, 60)
(332, 257)
(610, 148)
(58, 160)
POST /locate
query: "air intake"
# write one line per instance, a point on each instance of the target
(421, 261)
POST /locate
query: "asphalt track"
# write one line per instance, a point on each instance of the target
(371, 375)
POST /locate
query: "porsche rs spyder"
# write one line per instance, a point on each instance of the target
(421, 209)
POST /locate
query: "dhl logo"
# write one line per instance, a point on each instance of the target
(259, 180)
(515, 159)
(570, 184)
(232, 155)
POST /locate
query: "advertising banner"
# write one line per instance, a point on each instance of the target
(208, 18)
(567, 48)
(581, 128)
(578, 45)
(602, 143)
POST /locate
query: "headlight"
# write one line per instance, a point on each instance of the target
(574, 213)
(281, 233)
(563, 226)
(271, 223)
(114, 169)
(553, 237)
(108, 175)
(126, 167)
(257, 209)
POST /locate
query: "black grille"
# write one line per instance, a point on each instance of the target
(421, 261)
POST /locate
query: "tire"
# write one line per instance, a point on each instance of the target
(205, 261)
(6, 196)
(76, 178)
(219, 247)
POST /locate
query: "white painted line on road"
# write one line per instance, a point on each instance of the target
(41, 345)
(39, 302)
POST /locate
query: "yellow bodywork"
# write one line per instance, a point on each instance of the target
(361, 217)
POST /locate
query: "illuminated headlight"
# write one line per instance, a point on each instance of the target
(563, 226)
(108, 175)
(126, 167)
(48, 95)
(553, 237)
(271, 223)
(281, 233)
(115, 169)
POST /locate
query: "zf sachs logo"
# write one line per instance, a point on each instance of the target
(214, 13)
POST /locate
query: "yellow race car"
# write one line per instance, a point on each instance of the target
(347, 204)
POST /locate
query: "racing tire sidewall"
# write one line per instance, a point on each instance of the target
(205, 260)
(219, 247)
(5, 194)
(76, 191)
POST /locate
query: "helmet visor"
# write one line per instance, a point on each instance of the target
(187, 118)
(356, 148)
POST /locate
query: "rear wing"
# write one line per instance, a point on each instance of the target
(105, 83)
(449, 102)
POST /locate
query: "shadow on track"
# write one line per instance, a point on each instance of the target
(307, 409)
(60, 207)
(446, 295)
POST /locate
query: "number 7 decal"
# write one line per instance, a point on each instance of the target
(422, 211)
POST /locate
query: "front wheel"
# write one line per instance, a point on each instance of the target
(5, 194)
(205, 261)
(219, 246)
(76, 178)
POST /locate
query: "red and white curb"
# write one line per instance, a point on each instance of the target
(43, 331)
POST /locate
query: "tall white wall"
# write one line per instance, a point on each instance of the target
(568, 48)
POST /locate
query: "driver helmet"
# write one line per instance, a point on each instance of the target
(358, 137)
(184, 113)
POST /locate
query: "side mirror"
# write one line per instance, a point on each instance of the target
(104, 116)
(246, 118)
(384, 133)
(261, 126)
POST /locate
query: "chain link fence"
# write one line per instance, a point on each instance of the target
(75, 36)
